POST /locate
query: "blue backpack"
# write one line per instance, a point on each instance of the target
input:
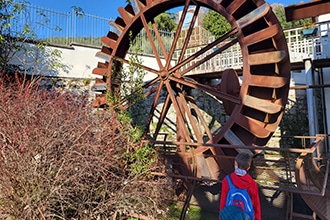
(238, 204)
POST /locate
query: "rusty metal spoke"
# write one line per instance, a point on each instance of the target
(211, 90)
(204, 50)
(146, 68)
(177, 33)
(192, 122)
(201, 118)
(154, 105)
(163, 113)
(190, 31)
(152, 43)
(159, 40)
(179, 113)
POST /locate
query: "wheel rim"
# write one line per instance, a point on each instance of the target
(254, 108)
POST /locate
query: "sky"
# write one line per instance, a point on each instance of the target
(108, 8)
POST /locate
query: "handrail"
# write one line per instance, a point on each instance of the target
(291, 150)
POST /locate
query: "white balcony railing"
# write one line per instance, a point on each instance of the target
(316, 46)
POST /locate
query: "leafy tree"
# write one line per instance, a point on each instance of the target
(166, 21)
(215, 23)
(12, 36)
(20, 49)
(279, 11)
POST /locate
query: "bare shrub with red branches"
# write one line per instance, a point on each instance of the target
(62, 160)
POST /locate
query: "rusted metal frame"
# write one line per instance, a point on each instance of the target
(163, 114)
(267, 57)
(180, 115)
(292, 190)
(177, 33)
(206, 88)
(280, 188)
(262, 105)
(152, 43)
(181, 129)
(171, 95)
(208, 57)
(325, 181)
(252, 125)
(310, 86)
(188, 198)
(289, 190)
(298, 136)
(262, 35)
(190, 117)
(154, 105)
(267, 81)
(159, 39)
(205, 49)
(191, 187)
(185, 45)
(254, 15)
(288, 172)
(307, 10)
(139, 4)
(319, 140)
(299, 165)
(126, 13)
(199, 114)
(186, 42)
(291, 150)
(190, 30)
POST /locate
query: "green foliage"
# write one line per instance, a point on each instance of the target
(142, 160)
(166, 21)
(193, 213)
(16, 29)
(131, 80)
(9, 14)
(141, 42)
(279, 11)
(56, 64)
(215, 23)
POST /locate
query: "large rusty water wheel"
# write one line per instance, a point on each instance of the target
(251, 101)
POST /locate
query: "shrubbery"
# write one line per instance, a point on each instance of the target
(60, 159)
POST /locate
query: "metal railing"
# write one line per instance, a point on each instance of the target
(61, 28)
(315, 46)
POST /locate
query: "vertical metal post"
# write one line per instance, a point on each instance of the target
(312, 119)
(74, 25)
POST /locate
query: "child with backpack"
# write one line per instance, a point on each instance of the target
(239, 193)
